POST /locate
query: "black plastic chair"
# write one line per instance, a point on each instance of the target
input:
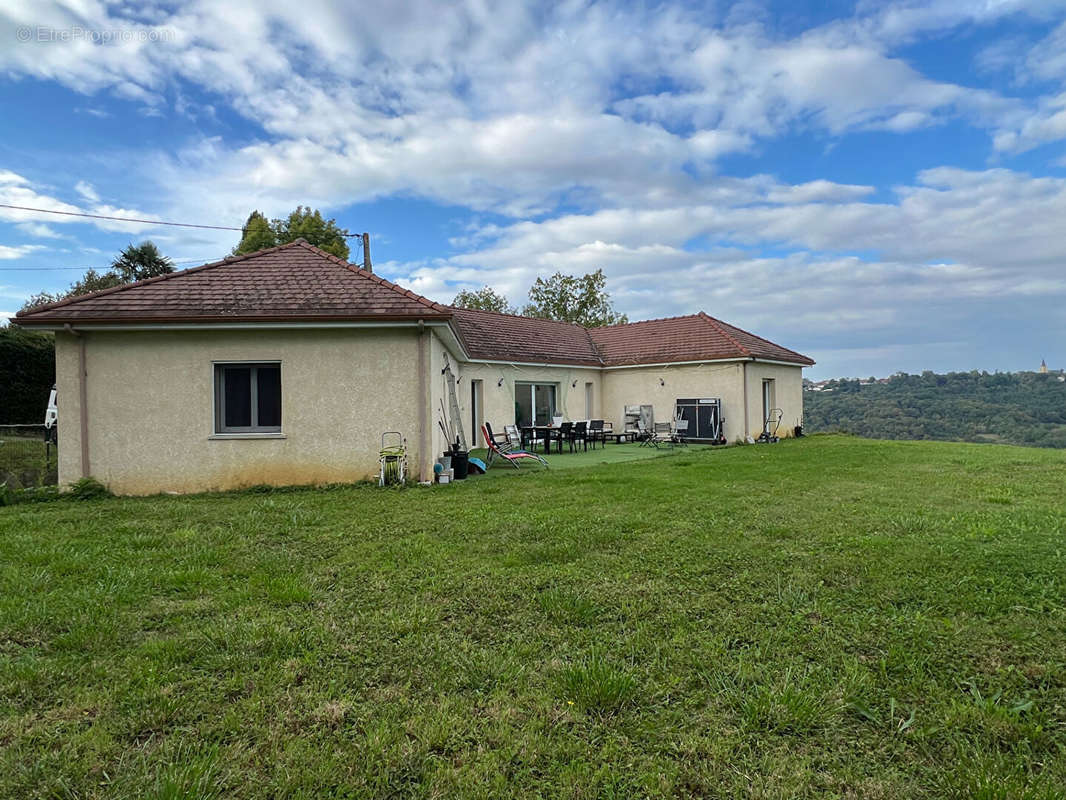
(596, 433)
(565, 430)
(579, 433)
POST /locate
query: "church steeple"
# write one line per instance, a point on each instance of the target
(1043, 367)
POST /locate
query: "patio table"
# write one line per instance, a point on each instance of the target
(548, 432)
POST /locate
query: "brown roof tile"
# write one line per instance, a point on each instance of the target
(506, 337)
(298, 281)
(697, 337)
(295, 281)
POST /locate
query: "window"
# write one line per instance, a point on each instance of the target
(534, 403)
(248, 398)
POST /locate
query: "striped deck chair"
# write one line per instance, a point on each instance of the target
(511, 456)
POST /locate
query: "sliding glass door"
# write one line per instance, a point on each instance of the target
(534, 403)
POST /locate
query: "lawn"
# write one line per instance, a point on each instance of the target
(823, 617)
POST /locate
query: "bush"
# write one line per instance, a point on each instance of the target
(88, 489)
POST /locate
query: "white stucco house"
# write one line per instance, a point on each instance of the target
(285, 366)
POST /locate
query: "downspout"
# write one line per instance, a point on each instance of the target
(747, 430)
(423, 405)
(83, 400)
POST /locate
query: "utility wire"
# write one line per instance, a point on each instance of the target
(131, 219)
(86, 269)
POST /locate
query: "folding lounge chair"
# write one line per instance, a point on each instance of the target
(512, 457)
(663, 433)
(679, 430)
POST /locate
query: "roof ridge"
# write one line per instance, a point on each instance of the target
(642, 321)
(515, 316)
(718, 325)
(299, 242)
(156, 279)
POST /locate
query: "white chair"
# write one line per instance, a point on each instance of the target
(678, 431)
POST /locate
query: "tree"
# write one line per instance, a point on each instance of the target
(303, 223)
(140, 262)
(258, 235)
(93, 281)
(583, 301)
(484, 299)
(28, 364)
(135, 263)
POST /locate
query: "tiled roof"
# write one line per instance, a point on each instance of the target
(293, 282)
(506, 337)
(697, 337)
(299, 282)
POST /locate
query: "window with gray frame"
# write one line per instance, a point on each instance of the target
(248, 398)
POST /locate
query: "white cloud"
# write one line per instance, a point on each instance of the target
(17, 190)
(621, 112)
(87, 191)
(39, 230)
(514, 110)
(8, 253)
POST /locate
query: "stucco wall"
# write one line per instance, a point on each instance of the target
(788, 396)
(641, 385)
(150, 401)
(498, 401)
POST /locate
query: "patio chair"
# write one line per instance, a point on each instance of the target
(515, 440)
(502, 442)
(512, 457)
(663, 433)
(596, 433)
(564, 435)
(678, 431)
(579, 433)
(644, 436)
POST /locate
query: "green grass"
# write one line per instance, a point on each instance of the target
(818, 618)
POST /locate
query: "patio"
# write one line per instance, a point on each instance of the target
(580, 459)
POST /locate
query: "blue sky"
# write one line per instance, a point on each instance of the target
(881, 185)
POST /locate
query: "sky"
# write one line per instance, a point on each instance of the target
(878, 185)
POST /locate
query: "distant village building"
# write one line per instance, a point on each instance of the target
(1043, 367)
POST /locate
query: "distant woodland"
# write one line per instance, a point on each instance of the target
(1025, 408)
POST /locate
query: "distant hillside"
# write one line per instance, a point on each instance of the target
(1025, 408)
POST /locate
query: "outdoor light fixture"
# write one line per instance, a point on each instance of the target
(662, 382)
(573, 385)
(499, 383)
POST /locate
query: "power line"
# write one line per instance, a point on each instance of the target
(85, 269)
(132, 219)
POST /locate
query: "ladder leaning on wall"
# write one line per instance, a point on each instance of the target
(453, 407)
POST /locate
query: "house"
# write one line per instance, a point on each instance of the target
(286, 365)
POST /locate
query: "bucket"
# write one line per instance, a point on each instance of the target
(461, 464)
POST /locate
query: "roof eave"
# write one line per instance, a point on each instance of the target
(59, 322)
